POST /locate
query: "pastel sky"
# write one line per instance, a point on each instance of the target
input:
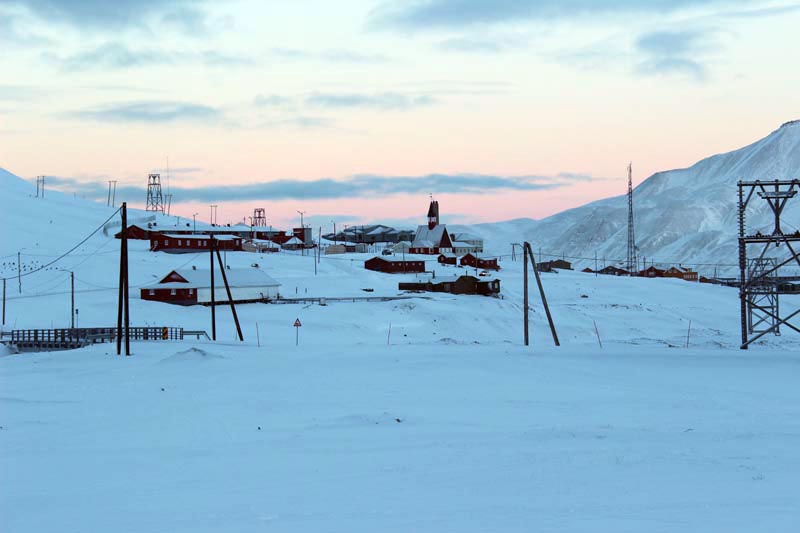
(357, 110)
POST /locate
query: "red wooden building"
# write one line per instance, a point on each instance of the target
(191, 286)
(393, 266)
(177, 244)
(476, 261)
(448, 259)
(652, 272)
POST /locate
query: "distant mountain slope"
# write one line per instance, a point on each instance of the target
(686, 214)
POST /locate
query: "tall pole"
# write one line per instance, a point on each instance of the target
(19, 271)
(108, 202)
(212, 244)
(114, 193)
(525, 295)
(4, 301)
(72, 291)
(334, 231)
(123, 303)
(230, 298)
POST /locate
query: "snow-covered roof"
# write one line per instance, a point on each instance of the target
(429, 238)
(465, 237)
(264, 243)
(460, 244)
(293, 240)
(237, 277)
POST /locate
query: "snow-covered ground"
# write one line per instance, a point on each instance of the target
(446, 424)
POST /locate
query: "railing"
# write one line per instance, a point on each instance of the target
(70, 338)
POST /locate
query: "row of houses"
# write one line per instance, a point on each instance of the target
(397, 265)
(679, 272)
(194, 234)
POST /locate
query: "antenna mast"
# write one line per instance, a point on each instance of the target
(632, 262)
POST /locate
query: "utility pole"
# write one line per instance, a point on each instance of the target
(302, 232)
(334, 231)
(4, 301)
(194, 224)
(213, 214)
(114, 193)
(72, 299)
(19, 271)
(108, 202)
(528, 253)
(212, 243)
(123, 303)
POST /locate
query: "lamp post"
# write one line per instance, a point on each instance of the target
(334, 231)
(194, 224)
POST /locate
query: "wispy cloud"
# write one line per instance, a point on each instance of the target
(359, 186)
(271, 100)
(433, 14)
(384, 101)
(674, 53)
(151, 112)
(109, 15)
(116, 55)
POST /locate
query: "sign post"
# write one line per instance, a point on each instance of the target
(297, 326)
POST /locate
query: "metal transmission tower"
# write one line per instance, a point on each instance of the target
(259, 217)
(155, 199)
(632, 263)
(759, 282)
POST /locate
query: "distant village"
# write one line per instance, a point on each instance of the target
(397, 251)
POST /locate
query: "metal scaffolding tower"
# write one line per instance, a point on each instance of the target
(631, 264)
(759, 283)
(259, 217)
(155, 199)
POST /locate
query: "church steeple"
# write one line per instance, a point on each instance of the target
(433, 214)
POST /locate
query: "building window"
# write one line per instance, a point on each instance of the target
(172, 292)
(180, 243)
(151, 292)
(166, 242)
(191, 292)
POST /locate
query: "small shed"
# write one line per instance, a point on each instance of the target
(477, 261)
(391, 265)
(260, 246)
(293, 243)
(191, 286)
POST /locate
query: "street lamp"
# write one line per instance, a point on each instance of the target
(302, 232)
(334, 231)
(194, 223)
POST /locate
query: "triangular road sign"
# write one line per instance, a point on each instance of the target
(297, 323)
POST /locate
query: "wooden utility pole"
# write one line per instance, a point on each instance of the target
(123, 309)
(211, 245)
(230, 297)
(4, 301)
(72, 291)
(528, 253)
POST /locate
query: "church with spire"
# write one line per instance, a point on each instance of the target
(433, 238)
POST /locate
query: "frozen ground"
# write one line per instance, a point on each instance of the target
(448, 425)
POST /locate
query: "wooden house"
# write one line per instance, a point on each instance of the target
(391, 265)
(476, 261)
(455, 285)
(191, 287)
(180, 244)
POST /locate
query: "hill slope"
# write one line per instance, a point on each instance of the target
(686, 214)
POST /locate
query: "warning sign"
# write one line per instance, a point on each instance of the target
(297, 323)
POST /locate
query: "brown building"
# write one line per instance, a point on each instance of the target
(455, 285)
(686, 274)
(476, 261)
(652, 272)
(558, 264)
(180, 244)
(393, 266)
(447, 259)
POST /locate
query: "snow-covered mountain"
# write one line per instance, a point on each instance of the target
(687, 215)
